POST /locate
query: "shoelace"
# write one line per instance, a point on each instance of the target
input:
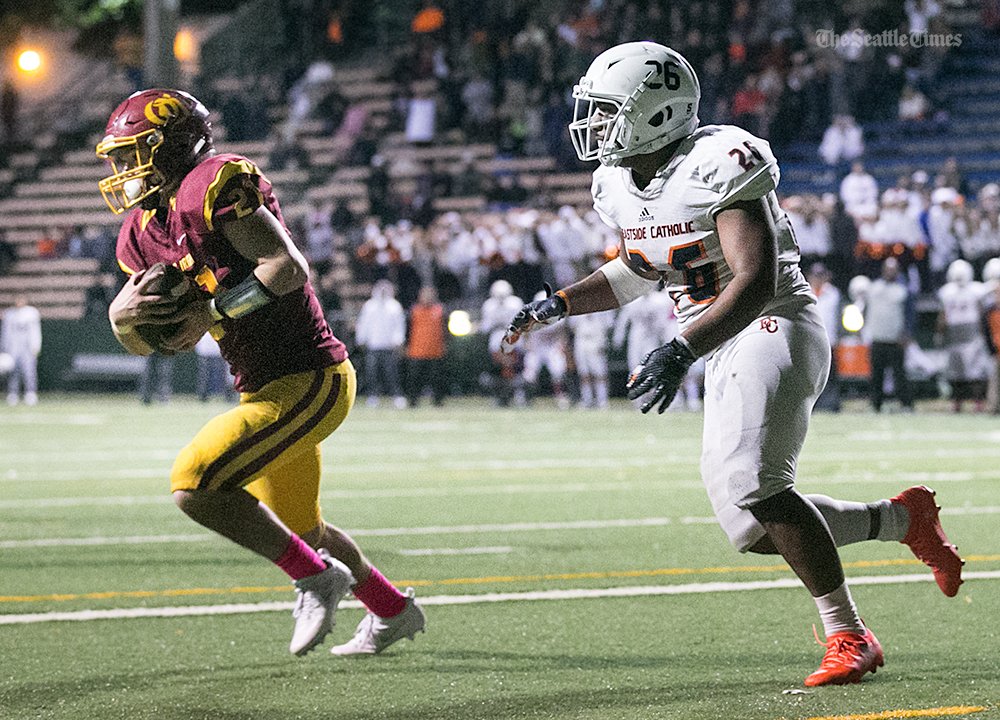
(839, 646)
(302, 599)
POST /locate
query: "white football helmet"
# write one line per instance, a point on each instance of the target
(635, 98)
(857, 288)
(501, 289)
(960, 272)
(991, 270)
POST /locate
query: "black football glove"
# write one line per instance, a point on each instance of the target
(537, 312)
(661, 372)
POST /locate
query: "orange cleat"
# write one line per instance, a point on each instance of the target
(849, 656)
(927, 540)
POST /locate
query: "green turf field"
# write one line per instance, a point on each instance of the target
(569, 563)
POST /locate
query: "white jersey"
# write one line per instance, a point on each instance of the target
(669, 231)
(968, 357)
(21, 331)
(496, 315)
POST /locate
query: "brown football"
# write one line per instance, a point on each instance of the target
(163, 279)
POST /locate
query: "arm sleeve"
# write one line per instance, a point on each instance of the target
(625, 284)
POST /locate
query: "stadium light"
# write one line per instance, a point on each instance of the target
(852, 319)
(459, 323)
(29, 61)
(185, 46)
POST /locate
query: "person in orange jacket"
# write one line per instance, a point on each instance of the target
(425, 349)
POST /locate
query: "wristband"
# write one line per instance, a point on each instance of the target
(562, 295)
(687, 346)
(249, 295)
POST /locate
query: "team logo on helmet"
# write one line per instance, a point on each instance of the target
(163, 109)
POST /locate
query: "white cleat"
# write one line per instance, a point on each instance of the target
(374, 634)
(316, 602)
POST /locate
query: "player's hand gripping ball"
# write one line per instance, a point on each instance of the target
(165, 281)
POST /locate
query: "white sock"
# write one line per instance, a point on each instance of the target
(586, 393)
(838, 613)
(852, 522)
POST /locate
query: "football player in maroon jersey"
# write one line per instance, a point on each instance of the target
(252, 474)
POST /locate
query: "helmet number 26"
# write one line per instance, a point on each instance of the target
(672, 80)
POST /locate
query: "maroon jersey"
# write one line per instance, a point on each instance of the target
(286, 336)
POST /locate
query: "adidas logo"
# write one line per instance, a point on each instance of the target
(645, 215)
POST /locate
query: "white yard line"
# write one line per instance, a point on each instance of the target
(362, 532)
(472, 599)
(428, 530)
(487, 550)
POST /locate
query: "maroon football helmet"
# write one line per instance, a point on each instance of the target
(152, 141)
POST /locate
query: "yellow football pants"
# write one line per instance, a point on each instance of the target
(269, 444)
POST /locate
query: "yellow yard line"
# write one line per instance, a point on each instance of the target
(893, 714)
(489, 580)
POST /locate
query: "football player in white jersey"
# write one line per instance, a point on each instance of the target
(697, 213)
(960, 328)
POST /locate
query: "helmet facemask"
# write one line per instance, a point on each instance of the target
(152, 141)
(134, 176)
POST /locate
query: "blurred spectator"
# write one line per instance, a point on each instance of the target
(506, 191)
(379, 200)
(495, 316)
(939, 227)
(919, 14)
(897, 234)
(319, 237)
(76, 242)
(843, 239)
(381, 331)
(50, 243)
(978, 233)
(157, 379)
(547, 347)
(842, 142)
(8, 253)
(478, 119)
(643, 325)
(913, 105)
(213, 376)
(288, 154)
(21, 338)
(991, 331)
(828, 303)
(859, 192)
(468, 181)
(749, 106)
(951, 177)
(426, 347)
(128, 52)
(562, 238)
(421, 112)
(887, 329)
(9, 105)
(812, 232)
(590, 356)
(961, 332)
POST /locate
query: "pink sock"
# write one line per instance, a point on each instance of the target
(378, 595)
(299, 560)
